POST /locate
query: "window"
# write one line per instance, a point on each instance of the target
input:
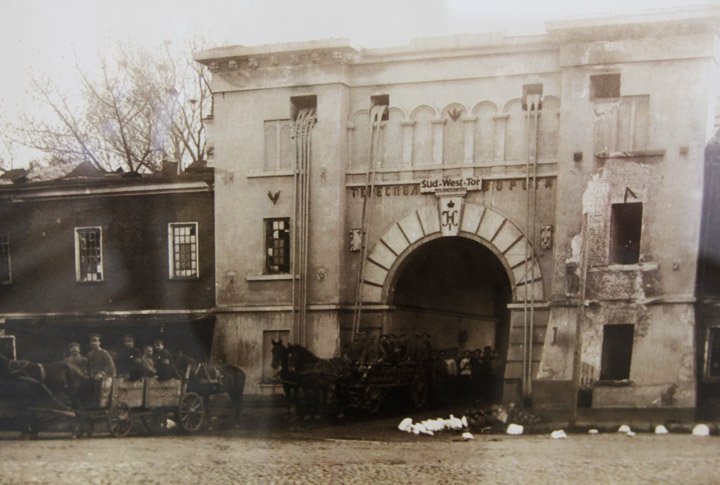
(382, 100)
(183, 250)
(625, 228)
(604, 86)
(88, 254)
(301, 105)
(277, 246)
(616, 352)
(268, 336)
(712, 358)
(5, 275)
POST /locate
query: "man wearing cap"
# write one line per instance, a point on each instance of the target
(76, 358)
(127, 359)
(100, 363)
(163, 360)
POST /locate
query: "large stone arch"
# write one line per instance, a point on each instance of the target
(482, 224)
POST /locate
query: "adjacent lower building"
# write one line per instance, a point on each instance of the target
(541, 195)
(107, 253)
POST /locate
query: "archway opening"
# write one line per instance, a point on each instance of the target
(457, 291)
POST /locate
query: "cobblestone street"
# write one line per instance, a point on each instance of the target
(335, 454)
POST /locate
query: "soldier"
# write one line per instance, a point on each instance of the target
(163, 360)
(76, 358)
(127, 359)
(147, 362)
(100, 363)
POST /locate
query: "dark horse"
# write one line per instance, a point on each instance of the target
(29, 386)
(312, 385)
(209, 379)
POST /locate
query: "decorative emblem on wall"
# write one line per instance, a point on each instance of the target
(355, 240)
(546, 236)
(455, 113)
(450, 211)
(274, 197)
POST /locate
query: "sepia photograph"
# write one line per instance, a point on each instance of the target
(332, 241)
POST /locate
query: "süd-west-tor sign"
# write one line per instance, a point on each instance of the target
(447, 183)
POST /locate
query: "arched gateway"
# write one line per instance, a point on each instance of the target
(466, 275)
(482, 224)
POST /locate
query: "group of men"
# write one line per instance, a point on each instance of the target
(128, 361)
(367, 350)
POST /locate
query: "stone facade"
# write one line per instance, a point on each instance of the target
(527, 193)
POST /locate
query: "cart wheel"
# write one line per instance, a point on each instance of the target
(120, 420)
(191, 412)
(155, 423)
(373, 399)
(418, 391)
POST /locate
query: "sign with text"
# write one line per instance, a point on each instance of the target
(451, 183)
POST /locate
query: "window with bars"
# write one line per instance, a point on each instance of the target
(183, 250)
(5, 275)
(277, 245)
(88, 254)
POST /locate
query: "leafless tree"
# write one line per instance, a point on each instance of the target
(142, 107)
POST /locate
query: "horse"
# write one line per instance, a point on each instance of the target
(320, 381)
(209, 379)
(55, 386)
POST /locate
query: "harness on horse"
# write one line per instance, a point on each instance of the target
(17, 368)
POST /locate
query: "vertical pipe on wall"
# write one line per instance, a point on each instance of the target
(376, 113)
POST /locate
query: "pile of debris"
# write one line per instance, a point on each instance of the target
(431, 426)
(496, 417)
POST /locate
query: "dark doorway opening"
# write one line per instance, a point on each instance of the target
(457, 291)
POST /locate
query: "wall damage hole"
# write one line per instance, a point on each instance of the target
(625, 229)
(616, 352)
(603, 86)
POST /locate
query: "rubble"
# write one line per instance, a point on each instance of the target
(515, 429)
(494, 418)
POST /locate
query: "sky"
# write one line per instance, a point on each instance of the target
(50, 37)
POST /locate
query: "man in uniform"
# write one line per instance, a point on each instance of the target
(100, 363)
(76, 358)
(147, 362)
(127, 359)
(163, 360)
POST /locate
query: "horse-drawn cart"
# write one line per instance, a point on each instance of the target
(155, 401)
(372, 383)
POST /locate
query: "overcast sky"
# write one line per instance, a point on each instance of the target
(50, 36)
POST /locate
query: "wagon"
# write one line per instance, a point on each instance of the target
(154, 401)
(371, 384)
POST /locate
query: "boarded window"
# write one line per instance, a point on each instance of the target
(713, 354)
(616, 351)
(183, 250)
(268, 373)
(625, 229)
(88, 254)
(277, 245)
(5, 275)
(278, 152)
(604, 86)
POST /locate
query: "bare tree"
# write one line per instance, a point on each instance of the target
(142, 107)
